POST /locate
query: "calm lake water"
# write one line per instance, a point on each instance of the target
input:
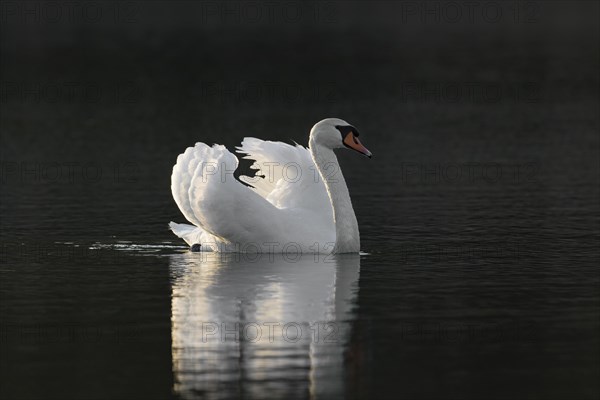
(479, 216)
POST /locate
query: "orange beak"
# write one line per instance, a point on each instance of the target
(352, 142)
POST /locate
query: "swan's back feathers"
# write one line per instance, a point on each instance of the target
(286, 175)
(221, 205)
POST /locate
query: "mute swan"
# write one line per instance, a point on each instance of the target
(297, 202)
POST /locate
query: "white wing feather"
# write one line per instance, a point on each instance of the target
(225, 207)
(289, 176)
(182, 175)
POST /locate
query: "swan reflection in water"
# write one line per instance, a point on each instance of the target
(261, 325)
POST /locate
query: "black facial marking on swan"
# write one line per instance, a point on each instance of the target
(346, 129)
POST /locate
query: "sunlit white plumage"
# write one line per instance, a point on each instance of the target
(297, 201)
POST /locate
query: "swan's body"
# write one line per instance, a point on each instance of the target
(297, 202)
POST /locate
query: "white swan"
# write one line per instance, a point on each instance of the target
(298, 202)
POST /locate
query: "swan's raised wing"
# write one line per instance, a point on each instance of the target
(209, 196)
(182, 175)
(286, 176)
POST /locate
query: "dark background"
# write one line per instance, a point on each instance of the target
(480, 205)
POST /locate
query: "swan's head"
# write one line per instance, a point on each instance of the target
(335, 133)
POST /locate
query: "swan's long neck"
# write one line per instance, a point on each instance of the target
(346, 226)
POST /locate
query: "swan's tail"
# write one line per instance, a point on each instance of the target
(190, 233)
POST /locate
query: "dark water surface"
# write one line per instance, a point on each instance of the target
(479, 212)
